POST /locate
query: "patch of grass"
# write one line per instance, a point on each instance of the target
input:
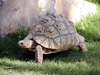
(73, 63)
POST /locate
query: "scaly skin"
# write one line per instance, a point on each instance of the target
(39, 54)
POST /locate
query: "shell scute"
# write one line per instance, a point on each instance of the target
(52, 32)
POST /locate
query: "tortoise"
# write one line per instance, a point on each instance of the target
(52, 33)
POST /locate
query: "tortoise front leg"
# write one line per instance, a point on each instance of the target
(39, 54)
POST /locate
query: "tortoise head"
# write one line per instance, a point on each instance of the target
(26, 43)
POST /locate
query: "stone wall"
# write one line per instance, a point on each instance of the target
(74, 10)
(17, 13)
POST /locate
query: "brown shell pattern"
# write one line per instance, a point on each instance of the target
(53, 32)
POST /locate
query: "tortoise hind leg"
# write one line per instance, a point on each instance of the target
(82, 44)
(82, 47)
(39, 54)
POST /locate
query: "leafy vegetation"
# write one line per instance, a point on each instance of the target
(90, 26)
(13, 61)
(95, 1)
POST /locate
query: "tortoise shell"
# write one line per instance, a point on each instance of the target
(54, 32)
